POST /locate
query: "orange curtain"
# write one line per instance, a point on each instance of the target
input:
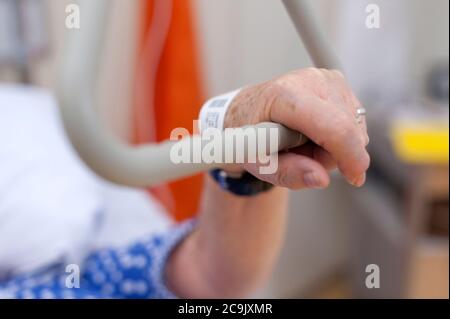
(176, 96)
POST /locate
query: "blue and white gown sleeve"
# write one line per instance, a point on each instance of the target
(136, 271)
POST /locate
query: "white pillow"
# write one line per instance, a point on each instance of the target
(48, 198)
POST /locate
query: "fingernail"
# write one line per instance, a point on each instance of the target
(360, 180)
(311, 180)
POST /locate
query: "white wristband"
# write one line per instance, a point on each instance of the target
(213, 111)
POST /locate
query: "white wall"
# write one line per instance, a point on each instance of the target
(247, 42)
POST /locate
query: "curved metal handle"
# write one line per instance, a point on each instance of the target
(109, 157)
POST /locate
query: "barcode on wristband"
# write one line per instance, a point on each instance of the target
(212, 120)
(212, 114)
(218, 103)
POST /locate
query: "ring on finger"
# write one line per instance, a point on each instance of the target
(360, 114)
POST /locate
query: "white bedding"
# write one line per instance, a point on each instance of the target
(52, 208)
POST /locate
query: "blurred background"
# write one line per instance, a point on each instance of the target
(162, 59)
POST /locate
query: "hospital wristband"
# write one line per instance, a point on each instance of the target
(212, 114)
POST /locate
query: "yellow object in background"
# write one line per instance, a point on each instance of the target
(421, 142)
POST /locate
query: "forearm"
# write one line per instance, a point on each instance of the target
(234, 247)
(237, 239)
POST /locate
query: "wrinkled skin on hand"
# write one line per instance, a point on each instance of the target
(320, 104)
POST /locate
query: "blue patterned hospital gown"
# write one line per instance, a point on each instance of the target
(136, 271)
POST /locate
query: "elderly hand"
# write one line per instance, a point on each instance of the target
(319, 104)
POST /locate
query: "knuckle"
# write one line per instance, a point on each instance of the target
(311, 69)
(338, 73)
(366, 162)
(314, 72)
(362, 164)
(283, 84)
(353, 100)
(275, 91)
(367, 140)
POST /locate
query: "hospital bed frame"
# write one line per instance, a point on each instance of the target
(146, 165)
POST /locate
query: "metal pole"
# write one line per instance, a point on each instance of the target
(313, 38)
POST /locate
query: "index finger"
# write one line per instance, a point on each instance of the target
(329, 127)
